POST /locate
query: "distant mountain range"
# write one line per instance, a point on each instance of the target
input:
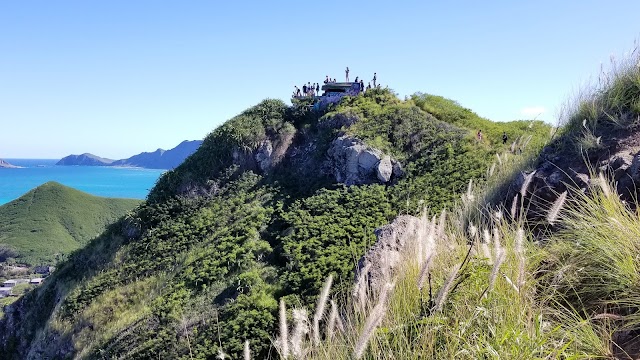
(4, 164)
(159, 159)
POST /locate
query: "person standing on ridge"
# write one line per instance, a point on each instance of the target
(326, 79)
(304, 89)
(347, 73)
(369, 86)
(309, 88)
(356, 79)
(375, 77)
(361, 85)
(318, 89)
(504, 137)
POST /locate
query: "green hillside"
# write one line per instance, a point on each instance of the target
(269, 205)
(52, 220)
(539, 263)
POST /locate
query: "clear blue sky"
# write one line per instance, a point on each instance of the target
(115, 78)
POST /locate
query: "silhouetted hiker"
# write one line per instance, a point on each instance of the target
(326, 80)
(304, 89)
(361, 85)
(504, 137)
(375, 77)
(369, 86)
(297, 91)
(347, 73)
(317, 89)
(309, 88)
(356, 79)
(479, 135)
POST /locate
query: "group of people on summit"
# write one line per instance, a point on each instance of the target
(374, 80)
(310, 89)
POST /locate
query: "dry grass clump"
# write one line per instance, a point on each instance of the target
(610, 102)
(457, 303)
(460, 303)
(489, 292)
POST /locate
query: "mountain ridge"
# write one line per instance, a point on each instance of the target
(274, 199)
(159, 159)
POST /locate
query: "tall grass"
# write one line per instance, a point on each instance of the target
(565, 300)
(612, 101)
(490, 290)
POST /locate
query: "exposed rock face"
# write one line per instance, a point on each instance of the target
(384, 170)
(267, 155)
(263, 155)
(380, 263)
(339, 120)
(634, 167)
(353, 163)
(560, 169)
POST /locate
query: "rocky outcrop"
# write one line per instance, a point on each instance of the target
(352, 162)
(380, 263)
(263, 155)
(339, 120)
(267, 155)
(384, 169)
(632, 167)
(559, 169)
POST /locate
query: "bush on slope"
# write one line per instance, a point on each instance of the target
(203, 261)
(488, 291)
(579, 296)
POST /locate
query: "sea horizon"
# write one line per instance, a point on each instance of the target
(105, 181)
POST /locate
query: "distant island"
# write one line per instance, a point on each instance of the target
(6, 165)
(85, 159)
(159, 159)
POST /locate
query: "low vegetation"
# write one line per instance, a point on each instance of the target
(200, 267)
(494, 286)
(49, 222)
(487, 290)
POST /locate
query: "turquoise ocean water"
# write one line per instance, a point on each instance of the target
(131, 183)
